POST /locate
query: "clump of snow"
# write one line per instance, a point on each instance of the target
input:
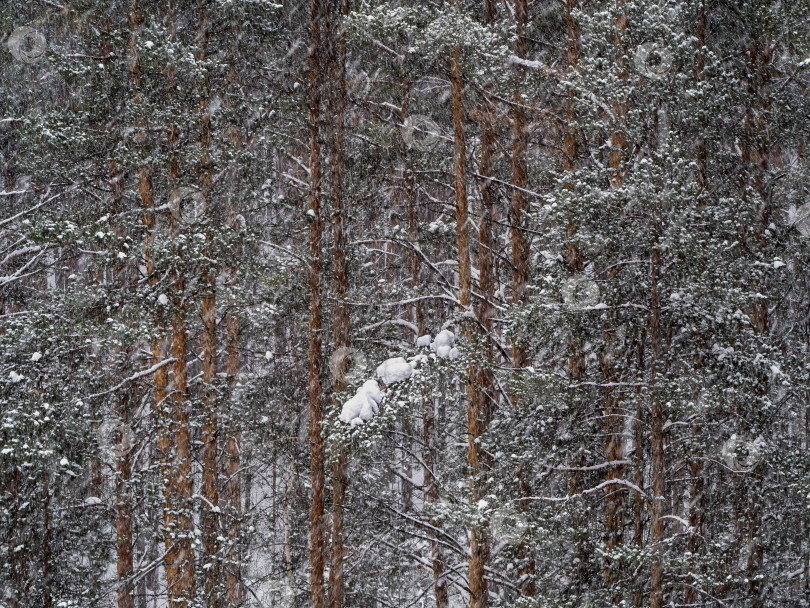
(443, 345)
(445, 336)
(64, 462)
(363, 405)
(393, 370)
(353, 407)
(423, 341)
(15, 377)
(163, 299)
(417, 360)
(372, 389)
(92, 500)
(36, 356)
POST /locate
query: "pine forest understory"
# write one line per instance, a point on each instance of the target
(404, 303)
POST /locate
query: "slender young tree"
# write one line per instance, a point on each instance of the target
(232, 488)
(212, 569)
(317, 548)
(146, 195)
(519, 203)
(486, 243)
(341, 321)
(657, 438)
(123, 455)
(520, 247)
(479, 548)
(696, 469)
(178, 508)
(613, 418)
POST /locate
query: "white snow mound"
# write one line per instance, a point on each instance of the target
(363, 406)
(372, 390)
(417, 360)
(358, 406)
(393, 370)
(423, 341)
(443, 343)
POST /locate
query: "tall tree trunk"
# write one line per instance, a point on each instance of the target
(123, 456)
(212, 564)
(479, 548)
(638, 501)
(520, 202)
(341, 328)
(482, 400)
(123, 507)
(317, 549)
(233, 462)
(757, 159)
(614, 419)
(47, 546)
(520, 248)
(232, 489)
(165, 442)
(657, 439)
(696, 498)
(123, 490)
(432, 497)
(179, 521)
(486, 244)
(576, 263)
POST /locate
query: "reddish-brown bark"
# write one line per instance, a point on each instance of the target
(657, 440)
(212, 565)
(179, 527)
(341, 328)
(317, 548)
(479, 548)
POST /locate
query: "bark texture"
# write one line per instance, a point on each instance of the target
(317, 548)
(341, 327)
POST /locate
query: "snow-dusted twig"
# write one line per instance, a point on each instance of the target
(605, 484)
(399, 322)
(21, 274)
(27, 211)
(287, 251)
(389, 50)
(132, 378)
(596, 467)
(18, 252)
